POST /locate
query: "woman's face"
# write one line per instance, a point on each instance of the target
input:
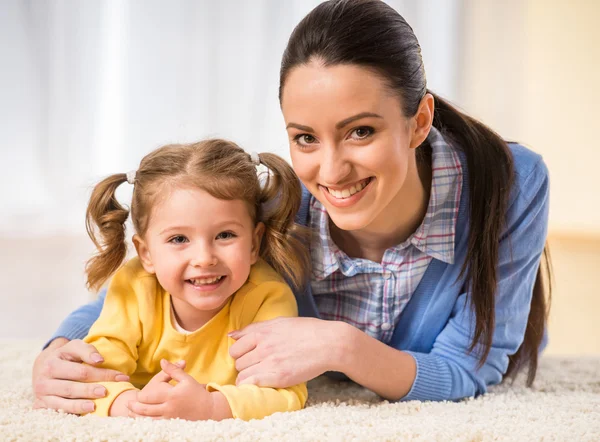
(350, 143)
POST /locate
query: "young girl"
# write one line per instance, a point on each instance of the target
(201, 272)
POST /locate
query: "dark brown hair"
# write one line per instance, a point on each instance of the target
(371, 34)
(220, 168)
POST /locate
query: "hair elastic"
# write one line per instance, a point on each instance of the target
(131, 176)
(255, 158)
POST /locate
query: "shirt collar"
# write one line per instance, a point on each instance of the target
(435, 236)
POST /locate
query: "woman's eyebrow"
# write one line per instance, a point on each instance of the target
(300, 127)
(349, 120)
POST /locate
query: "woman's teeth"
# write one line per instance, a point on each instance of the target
(347, 193)
(205, 281)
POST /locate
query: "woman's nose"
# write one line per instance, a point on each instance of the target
(334, 166)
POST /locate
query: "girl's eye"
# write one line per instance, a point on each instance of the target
(226, 235)
(361, 133)
(179, 239)
(304, 139)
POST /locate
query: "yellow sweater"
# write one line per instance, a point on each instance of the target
(134, 332)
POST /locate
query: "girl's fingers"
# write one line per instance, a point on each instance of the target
(146, 410)
(175, 371)
(156, 394)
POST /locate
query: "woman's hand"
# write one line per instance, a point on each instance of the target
(284, 352)
(60, 380)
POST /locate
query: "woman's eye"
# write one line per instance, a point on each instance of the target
(179, 239)
(360, 133)
(226, 235)
(304, 139)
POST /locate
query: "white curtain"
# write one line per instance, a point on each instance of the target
(88, 87)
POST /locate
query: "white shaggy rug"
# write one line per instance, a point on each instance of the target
(564, 405)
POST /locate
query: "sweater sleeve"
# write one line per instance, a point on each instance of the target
(448, 371)
(116, 334)
(252, 402)
(78, 323)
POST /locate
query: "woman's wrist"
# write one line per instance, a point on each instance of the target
(340, 351)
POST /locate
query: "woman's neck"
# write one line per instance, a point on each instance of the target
(394, 225)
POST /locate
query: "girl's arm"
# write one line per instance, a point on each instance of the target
(267, 301)
(117, 332)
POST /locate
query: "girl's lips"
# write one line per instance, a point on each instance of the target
(206, 287)
(345, 202)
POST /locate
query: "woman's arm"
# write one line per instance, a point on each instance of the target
(78, 323)
(60, 380)
(287, 351)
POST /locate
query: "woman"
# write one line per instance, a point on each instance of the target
(428, 232)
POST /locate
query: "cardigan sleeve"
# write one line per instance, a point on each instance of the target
(448, 371)
(78, 323)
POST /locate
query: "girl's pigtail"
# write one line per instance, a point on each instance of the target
(106, 218)
(284, 244)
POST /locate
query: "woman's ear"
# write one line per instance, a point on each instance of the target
(422, 121)
(259, 231)
(144, 253)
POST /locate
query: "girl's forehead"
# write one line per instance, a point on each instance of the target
(194, 207)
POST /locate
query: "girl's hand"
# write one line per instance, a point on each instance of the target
(189, 399)
(60, 380)
(284, 352)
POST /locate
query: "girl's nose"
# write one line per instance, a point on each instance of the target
(203, 257)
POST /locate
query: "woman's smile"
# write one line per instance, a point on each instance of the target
(347, 195)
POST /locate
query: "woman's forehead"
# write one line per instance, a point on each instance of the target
(337, 92)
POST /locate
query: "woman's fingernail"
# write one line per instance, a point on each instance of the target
(121, 378)
(100, 391)
(88, 407)
(96, 357)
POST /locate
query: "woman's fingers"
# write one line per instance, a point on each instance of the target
(69, 389)
(243, 345)
(74, 406)
(80, 351)
(55, 368)
(247, 360)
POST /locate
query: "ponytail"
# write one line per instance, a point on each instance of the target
(491, 174)
(283, 243)
(108, 217)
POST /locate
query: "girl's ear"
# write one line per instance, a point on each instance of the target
(144, 253)
(259, 231)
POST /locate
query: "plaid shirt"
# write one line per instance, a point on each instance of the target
(371, 295)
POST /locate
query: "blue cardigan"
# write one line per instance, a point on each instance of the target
(436, 326)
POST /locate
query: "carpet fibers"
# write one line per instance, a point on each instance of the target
(564, 405)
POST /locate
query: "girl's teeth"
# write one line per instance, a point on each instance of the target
(346, 193)
(205, 281)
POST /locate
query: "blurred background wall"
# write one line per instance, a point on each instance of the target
(87, 88)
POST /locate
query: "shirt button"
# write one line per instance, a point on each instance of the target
(386, 326)
(387, 275)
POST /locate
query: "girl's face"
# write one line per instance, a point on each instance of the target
(201, 249)
(351, 145)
